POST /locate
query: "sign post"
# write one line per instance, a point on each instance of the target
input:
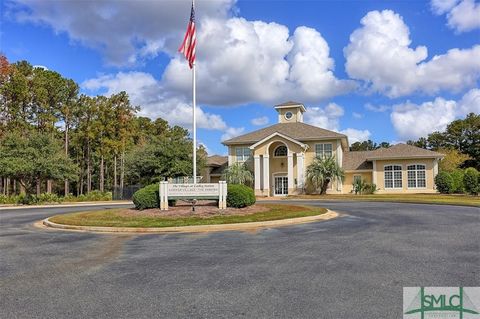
(193, 191)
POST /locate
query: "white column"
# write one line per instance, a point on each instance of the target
(435, 172)
(266, 175)
(374, 175)
(290, 170)
(257, 172)
(300, 176)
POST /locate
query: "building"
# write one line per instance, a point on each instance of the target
(279, 155)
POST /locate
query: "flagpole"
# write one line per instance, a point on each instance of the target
(194, 102)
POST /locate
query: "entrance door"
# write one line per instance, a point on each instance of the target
(281, 185)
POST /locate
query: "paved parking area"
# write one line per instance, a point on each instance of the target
(351, 267)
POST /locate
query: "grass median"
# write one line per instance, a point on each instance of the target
(462, 200)
(119, 217)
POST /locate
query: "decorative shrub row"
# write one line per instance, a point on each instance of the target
(45, 198)
(458, 181)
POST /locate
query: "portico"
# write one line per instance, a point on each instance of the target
(278, 165)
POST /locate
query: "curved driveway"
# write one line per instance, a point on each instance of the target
(351, 267)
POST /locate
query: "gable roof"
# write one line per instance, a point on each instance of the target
(362, 160)
(297, 130)
(281, 135)
(402, 151)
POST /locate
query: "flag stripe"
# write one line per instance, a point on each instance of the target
(189, 41)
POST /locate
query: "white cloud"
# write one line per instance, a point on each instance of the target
(232, 132)
(462, 16)
(327, 117)
(259, 121)
(148, 93)
(379, 53)
(412, 121)
(357, 115)
(465, 16)
(238, 61)
(123, 30)
(470, 102)
(442, 6)
(355, 135)
(377, 108)
(241, 61)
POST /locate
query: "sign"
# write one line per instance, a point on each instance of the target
(193, 191)
(441, 302)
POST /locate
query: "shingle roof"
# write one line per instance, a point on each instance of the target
(402, 150)
(216, 160)
(358, 160)
(297, 130)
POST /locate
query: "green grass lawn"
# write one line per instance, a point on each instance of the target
(114, 217)
(463, 200)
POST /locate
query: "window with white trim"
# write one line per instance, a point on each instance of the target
(280, 151)
(416, 176)
(242, 154)
(393, 176)
(323, 150)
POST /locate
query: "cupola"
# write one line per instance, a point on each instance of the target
(290, 112)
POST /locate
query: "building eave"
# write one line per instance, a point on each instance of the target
(304, 146)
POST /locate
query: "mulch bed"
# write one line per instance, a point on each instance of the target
(203, 209)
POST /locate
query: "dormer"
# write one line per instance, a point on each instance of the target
(290, 112)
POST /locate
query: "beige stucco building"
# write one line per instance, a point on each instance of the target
(279, 155)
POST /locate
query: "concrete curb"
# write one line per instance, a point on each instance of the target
(82, 204)
(196, 229)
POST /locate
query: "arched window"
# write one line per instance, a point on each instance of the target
(393, 176)
(416, 176)
(280, 151)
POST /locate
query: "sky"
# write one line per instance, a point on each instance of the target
(382, 70)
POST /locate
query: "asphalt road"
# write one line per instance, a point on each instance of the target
(351, 267)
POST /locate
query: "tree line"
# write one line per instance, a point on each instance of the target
(55, 139)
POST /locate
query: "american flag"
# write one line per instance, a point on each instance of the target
(190, 41)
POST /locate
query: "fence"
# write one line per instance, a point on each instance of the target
(125, 193)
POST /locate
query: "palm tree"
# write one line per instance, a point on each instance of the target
(238, 173)
(322, 171)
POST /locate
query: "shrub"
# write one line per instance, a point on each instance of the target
(470, 181)
(359, 186)
(28, 199)
(444, 182)
(4, 199)
(49, 198)
(147, 197)
(457, 177)
(98, 196)
(239, 196)
(369, 188)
